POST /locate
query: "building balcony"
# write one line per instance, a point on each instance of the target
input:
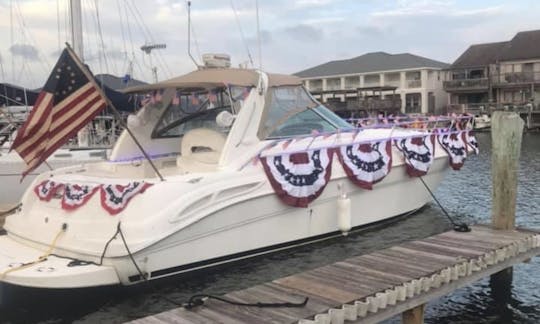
(480, 84)
(515, 78)
(411, 84)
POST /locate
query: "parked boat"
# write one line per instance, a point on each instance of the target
(100, 136)
(482, 122)
(251, 164)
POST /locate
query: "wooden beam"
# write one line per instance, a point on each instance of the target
(414, 315)
(506, 134)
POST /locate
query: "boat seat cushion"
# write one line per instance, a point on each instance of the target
(200, 150)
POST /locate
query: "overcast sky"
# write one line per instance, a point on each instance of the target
(295, 34)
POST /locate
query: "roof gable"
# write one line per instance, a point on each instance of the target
(371, 62)
(479, 55)
(525, 45)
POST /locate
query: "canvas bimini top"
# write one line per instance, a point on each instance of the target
(217, 77)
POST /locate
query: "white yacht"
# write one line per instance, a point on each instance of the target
(250, 162)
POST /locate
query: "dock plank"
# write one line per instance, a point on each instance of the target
(359, 277)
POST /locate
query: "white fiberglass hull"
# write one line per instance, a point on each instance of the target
(265, 224)
(210, 236)
(12, 166)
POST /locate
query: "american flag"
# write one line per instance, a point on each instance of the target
(68, 101)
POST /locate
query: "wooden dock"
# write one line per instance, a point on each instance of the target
(373, 287)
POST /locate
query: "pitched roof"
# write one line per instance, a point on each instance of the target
(479, 55)
(524, 45)
(371, 62)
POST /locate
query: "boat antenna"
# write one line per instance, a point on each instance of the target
(189, 34)
(258, 34)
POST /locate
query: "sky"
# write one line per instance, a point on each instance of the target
(294, 34)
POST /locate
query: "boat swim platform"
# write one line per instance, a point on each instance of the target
(372, 287)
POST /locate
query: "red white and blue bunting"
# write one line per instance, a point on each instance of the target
(418, 152)
(299, 178)
(470, 139)
(114, 198)
(455, 146)
(366, 163)
(47, 189)
(77, 195)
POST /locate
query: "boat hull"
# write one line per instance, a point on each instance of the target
(232, 234)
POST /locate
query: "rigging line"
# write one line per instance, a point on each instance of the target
(11, 39)
(242, 33)
(42, 59)
(195, 40)
(58, 23)
(133, 57)
(122, 29)
(164, 66)
(101, 36)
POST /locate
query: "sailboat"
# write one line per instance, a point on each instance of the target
(241, 162)
(92, 144)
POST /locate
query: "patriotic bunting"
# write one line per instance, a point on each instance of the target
(456, 148)
(299, 178)
(418, 152)
(114, 198)
(366, 164)
(470, 139)
(75, 195)
(47, 189)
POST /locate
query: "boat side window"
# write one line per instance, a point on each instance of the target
(195, 108)
(291, 111)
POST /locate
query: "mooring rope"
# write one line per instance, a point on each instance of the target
(463, 227)
(40, 259)
(198, 299)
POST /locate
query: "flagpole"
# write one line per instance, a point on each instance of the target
(113, 108)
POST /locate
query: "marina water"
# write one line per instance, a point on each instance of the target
(466, 194)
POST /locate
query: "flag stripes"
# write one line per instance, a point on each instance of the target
(69, 100)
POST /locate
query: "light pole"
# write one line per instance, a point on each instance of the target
(147, 48)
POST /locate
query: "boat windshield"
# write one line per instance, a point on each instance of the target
(198, 109)
(291, 111)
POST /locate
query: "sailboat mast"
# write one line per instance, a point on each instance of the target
(75, 15)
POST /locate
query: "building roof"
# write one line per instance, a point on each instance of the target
(525, 45)
(479, 55)
(371, 62)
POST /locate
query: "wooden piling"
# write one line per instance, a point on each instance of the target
(414, 315)
(506, 134)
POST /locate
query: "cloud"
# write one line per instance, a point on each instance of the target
(25, 51)
(304, 33)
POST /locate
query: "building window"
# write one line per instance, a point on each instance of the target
(413, 103)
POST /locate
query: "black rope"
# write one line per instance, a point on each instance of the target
(457, 227)
(198, 300)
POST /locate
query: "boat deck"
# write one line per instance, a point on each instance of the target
(372, 287)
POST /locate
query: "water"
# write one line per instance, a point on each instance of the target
(466, 194)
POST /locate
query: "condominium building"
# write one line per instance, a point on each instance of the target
(380, 81)
(497, 75)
